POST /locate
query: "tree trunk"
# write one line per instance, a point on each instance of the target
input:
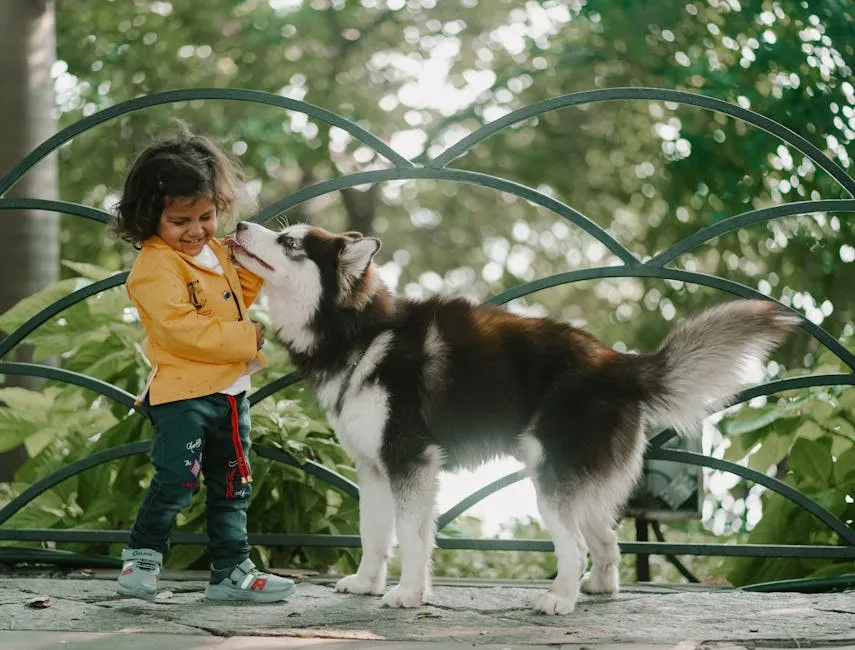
(29, 246)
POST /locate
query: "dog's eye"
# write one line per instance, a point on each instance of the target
(290, 243)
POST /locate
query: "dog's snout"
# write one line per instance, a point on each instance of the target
(241, 225)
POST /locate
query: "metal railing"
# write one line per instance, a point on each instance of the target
(437, 168)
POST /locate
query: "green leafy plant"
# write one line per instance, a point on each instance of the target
(807, 439)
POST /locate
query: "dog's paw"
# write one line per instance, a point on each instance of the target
(397, 597)
(601, 581)
(354, 584)
(552, 604)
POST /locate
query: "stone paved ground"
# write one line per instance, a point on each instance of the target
(85, 612)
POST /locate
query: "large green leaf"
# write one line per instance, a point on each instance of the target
(34, 402)
(847, 400)
(110, 366)
(772, 450)
(834, 569)
(39, 440)
(844, 467)
(749, 419)
(32, 305)
(811, 463)
(821, 410)
(180, 557)
(89, 271)
(810, 430)
(15, 428)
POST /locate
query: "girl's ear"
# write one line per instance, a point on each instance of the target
(357, 254)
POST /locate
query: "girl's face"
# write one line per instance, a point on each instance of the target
(188, 223)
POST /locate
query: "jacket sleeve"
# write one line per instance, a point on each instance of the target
(250, 285)
(162, 295)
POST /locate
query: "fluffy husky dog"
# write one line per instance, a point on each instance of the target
(412, 387)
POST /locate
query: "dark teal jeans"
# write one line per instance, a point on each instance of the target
(198, 438)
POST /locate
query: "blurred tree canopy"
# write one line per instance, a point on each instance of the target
(422, 74)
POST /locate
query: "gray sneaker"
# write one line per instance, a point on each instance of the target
(140, 573)
(246, 583)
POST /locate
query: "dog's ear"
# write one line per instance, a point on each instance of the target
(356, 255)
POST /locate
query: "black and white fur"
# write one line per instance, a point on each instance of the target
(412, 387)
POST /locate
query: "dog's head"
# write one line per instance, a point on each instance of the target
(307, 269)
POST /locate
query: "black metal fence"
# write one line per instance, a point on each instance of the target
(437, 168)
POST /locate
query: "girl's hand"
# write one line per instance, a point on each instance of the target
(259, 335)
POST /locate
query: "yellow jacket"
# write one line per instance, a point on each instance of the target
(199, 338)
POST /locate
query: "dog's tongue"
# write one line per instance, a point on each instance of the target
(231, 243)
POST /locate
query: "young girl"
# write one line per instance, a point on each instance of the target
(192, 302)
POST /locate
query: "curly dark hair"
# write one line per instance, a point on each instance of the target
(181, 165)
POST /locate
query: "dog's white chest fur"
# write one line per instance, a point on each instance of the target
(357, 406)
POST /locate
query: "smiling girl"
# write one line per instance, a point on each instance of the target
(192, 302)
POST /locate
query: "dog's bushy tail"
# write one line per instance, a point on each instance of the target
(702, 362)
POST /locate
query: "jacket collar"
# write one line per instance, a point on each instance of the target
(216, 246)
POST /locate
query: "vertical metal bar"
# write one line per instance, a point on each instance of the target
(642, 562)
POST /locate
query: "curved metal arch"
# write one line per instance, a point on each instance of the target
(49, 372)
(134, 448)
(458, 176)
(39, 487)
(662, 273)
(846, 533)
(677, 96)
(479, 495)
(190, 94)
(808, 381)
(58, 306)
(746, 219)
(66, 207)
(312, 468)
(274, 386)
(678, 456)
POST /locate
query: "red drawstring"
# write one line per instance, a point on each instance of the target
(242, 465)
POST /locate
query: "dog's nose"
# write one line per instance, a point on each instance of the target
(242, 225)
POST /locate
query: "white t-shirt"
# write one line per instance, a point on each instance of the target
(209, 259)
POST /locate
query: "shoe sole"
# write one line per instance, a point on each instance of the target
(124, 591)
(240, 595)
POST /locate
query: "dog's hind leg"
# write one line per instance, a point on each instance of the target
(603, 499)
(415, 493)
(562, 522)
(602, 542)
(376, 527)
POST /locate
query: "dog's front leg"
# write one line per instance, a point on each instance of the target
(376, 527)
(414, 503)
